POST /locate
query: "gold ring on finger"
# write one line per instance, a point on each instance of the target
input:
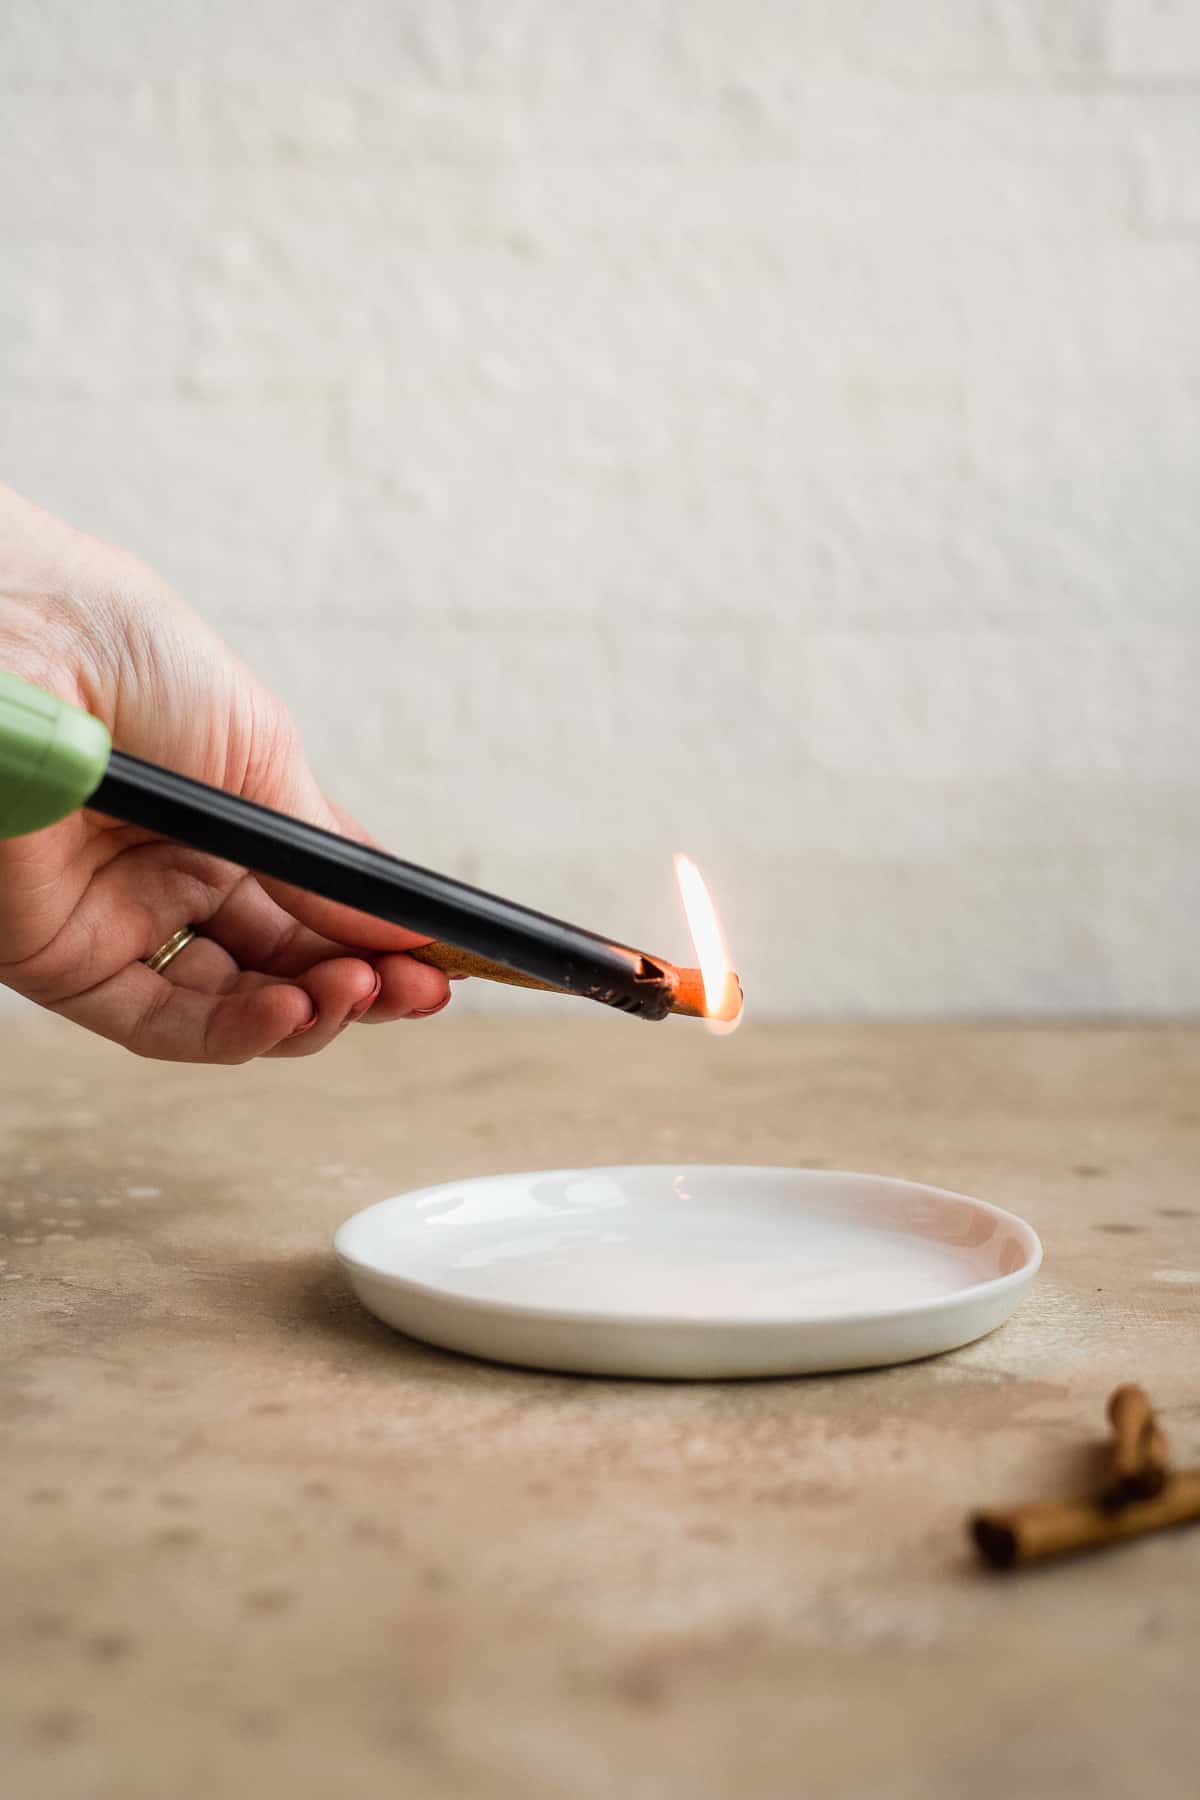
(166, 953)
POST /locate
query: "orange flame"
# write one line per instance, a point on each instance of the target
(711, 953)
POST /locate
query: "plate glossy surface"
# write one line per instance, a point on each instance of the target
(689, 1272)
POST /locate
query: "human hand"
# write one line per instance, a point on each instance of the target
(272, 971)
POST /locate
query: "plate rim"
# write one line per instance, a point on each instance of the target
(993, 1287)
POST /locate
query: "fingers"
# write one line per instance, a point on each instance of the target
(340, 992)
(258, 980)
(127, 908)
(408, 990)
(258, 934)
(205, 1008)
(205, 967)
(162, 1019)
(141, 896)
(173, 1021)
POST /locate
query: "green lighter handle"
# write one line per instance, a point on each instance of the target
(52, 757)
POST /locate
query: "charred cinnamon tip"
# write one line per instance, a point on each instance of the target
(995, 1540)
(1145, 1485)
(690, 997)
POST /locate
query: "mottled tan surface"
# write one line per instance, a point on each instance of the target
(253, 1543)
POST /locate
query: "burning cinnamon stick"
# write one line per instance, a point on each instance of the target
(1139, 1464)
(687, 984)
(1030, 1534)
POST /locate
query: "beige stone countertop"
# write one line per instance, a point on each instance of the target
(253, 1543)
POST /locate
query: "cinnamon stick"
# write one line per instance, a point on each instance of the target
(687, 984)
(1030, 1534)
(1139, 1461)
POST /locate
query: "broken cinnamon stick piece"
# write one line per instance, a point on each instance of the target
(1140, 1456)
(1030, 1534)
(687, 984)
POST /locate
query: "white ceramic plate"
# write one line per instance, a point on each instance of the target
(698, 1272)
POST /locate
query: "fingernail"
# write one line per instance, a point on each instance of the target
(308, 1023)
(430, 1010)
(364, 1006)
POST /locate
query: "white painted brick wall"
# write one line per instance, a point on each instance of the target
(772, 429)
